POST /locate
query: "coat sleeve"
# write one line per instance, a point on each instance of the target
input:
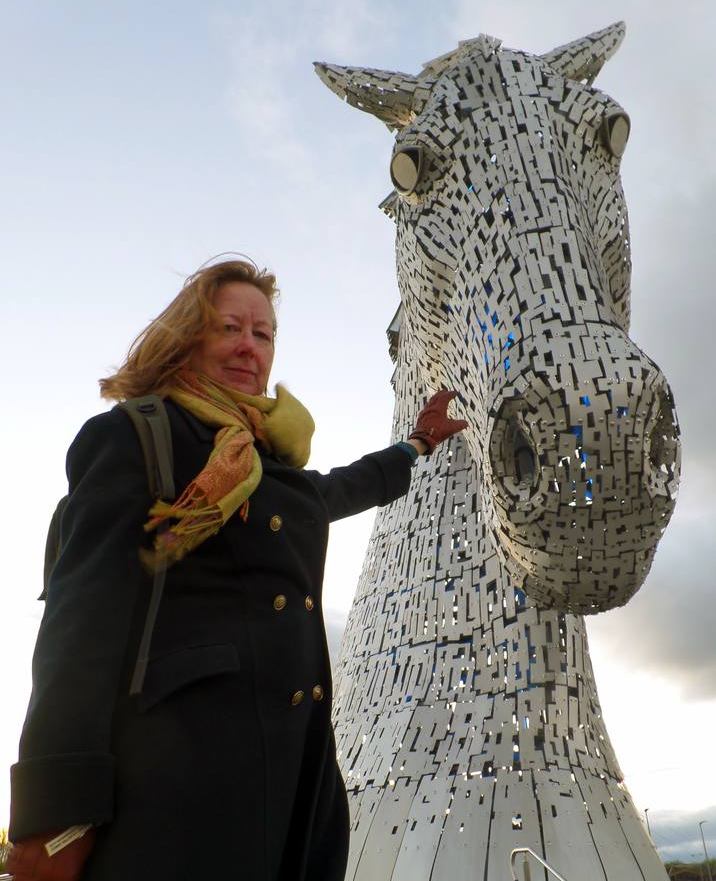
(65, 772)
(376, 479)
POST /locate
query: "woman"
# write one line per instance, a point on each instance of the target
(224, 766)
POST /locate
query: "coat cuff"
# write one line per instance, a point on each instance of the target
(409, 449)
(53, 792)
(396, 467)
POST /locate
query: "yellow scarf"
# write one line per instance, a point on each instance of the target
(233, 469)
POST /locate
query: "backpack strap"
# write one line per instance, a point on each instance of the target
(150, 418)
(145, 643)
(151, 421)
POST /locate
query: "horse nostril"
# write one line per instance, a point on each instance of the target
(664, 437)
(524, 462)
(513, 454)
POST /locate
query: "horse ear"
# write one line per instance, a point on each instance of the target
(583, 59)
(395, 98)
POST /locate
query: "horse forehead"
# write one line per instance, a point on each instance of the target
(477, 80)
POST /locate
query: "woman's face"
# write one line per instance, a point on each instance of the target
(239, 353)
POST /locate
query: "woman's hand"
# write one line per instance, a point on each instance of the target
(433, 425)
(28, 859)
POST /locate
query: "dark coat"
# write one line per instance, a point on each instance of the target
(224, 767)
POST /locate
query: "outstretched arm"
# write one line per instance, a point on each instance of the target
(382, 477)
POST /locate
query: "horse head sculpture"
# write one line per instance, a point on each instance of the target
(514, 273)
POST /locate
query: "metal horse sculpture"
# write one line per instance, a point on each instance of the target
(466, 714)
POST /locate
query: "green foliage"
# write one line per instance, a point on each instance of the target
(4, 849)
(691, 871)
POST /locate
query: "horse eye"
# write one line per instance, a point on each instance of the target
(406, 167)
(615, 132)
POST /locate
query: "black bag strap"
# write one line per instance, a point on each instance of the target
(150, 418)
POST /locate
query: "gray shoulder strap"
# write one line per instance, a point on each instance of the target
(150, 418)
(151, 421)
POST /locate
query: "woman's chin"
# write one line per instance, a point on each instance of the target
(242, 387)
(239, 381)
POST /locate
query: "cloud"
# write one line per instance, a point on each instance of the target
(263, 49)
(674, 315)
(669, 626)
(677, 837)
(346, 29)
(270, 46)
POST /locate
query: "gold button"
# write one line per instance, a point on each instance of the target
(317, 693)
(310, 603)
(279, 602)
(275, 523)
(296, 698)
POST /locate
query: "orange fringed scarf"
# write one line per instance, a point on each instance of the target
(233, 469)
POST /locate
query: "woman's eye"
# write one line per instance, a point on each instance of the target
(235, 329)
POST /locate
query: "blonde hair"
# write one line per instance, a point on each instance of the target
(166, 345)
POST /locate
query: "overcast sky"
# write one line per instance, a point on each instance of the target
(138, 139)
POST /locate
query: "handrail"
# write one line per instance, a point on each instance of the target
(527, 850)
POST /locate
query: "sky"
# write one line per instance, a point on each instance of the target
(139, 139)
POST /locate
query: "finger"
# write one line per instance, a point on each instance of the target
(441, 400)
(446, 394)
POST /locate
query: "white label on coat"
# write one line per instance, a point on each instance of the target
(60, 841)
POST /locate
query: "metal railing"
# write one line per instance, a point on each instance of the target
(513, 856)
(526, 865)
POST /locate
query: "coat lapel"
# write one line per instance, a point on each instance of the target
(204, 433)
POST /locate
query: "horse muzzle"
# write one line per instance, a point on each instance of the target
(580, 479)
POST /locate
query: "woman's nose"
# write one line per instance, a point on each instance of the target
(244, 341)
